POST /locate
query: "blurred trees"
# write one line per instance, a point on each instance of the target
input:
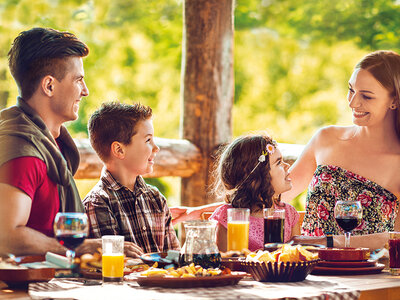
(292, 57)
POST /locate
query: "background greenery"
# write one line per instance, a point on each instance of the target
(292, 59)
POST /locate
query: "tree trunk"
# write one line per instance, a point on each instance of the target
(207, 87)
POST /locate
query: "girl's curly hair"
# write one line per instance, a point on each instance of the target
(234, 177)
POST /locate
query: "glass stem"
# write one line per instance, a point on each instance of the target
(347, 239)
(70, 256)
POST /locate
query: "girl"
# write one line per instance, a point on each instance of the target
(252, 174)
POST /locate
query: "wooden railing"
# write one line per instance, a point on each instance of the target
(176, 158)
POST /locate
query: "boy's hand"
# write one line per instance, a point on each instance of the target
(132, 250)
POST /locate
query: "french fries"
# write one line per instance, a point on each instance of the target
(185, 271)
(287, 253)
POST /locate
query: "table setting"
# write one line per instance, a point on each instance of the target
(200, 271)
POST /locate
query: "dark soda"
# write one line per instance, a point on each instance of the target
(394, 254)
(71, 241)
(273, 230)
(348, 223)
(205, 260)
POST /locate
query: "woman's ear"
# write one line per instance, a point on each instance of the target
(118, 150)
(47, 85)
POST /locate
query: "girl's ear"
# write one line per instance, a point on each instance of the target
(118, 150)
(47, 85)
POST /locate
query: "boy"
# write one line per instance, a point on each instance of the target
(122, 203)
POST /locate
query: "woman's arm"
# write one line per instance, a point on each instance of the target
(184, 213)
(302, 170)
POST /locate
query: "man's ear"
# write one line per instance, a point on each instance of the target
(118, 150)
(47, 85)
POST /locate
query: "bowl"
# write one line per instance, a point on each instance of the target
(344, 254)
(280, 271)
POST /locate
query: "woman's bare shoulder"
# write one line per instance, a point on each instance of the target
(333, 132)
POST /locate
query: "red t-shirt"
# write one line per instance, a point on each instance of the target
(29, 174)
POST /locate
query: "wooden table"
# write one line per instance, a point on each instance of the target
(378, 286)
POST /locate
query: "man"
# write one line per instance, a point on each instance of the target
(38, 156)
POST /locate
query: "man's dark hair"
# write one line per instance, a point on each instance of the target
(38, 52)
(115, 121)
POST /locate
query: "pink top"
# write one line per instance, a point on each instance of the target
(256, 229)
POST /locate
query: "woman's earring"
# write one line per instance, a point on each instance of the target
(393, 106)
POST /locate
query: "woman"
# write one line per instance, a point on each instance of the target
(359, 162)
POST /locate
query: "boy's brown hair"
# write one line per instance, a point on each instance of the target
(115, 121)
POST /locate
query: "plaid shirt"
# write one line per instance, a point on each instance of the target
(141, 216)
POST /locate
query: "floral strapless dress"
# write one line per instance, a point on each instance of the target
(330, 184)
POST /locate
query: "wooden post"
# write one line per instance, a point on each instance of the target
(207, 87)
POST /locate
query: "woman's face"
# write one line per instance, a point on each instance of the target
(280, 179)
(369, 100)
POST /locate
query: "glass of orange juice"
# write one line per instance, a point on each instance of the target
(238, 229)
(113, 258)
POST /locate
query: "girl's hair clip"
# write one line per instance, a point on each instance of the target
(269, 149)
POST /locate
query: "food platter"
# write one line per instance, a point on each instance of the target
(191, 282)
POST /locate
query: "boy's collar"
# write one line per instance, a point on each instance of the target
(140, 185)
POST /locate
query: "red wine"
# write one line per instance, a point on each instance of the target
(273, 230)
(205, 260)
(71, 241)
(394, 253)
(348, 223)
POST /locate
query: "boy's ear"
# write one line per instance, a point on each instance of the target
(117, 150)
(47, 85)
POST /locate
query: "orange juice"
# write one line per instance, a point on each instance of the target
(238, 236)
(113, 265)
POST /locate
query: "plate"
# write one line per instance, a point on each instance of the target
(348, 271)
(344, 254)
(159, 257)
(22, 277)
(346, 264)
(192, 282)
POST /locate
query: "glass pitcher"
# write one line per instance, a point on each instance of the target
(200, 246)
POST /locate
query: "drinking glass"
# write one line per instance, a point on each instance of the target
(70, 230)
(274, 225)
(394, 253)
(348, 215)
(238, 229)
(113, 258)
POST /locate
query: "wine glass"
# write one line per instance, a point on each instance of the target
(70, 229)
(348, 215)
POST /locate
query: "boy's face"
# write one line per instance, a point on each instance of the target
(140, 153)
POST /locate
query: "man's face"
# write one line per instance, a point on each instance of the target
(69, 91)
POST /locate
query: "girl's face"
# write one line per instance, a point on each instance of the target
(280, 179)
(368, 99)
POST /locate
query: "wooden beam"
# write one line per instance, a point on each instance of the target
(207, 87)
(176, 158)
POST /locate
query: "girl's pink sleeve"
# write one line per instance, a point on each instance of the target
(221, 215)
(292, 215)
